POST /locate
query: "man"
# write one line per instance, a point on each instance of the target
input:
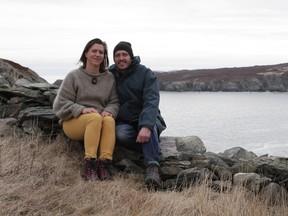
(139, 122)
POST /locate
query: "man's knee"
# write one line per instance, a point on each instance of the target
(125, 134)
(121, 136)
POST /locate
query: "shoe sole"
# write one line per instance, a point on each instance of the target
(151, 184)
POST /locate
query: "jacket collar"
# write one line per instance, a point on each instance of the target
(135, 61)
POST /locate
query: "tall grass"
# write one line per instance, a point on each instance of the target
(42, 177)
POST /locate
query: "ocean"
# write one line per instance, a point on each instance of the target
(256, 121)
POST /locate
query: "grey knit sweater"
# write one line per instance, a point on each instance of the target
(78, 92)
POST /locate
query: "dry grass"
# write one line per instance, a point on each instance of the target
(39, 177)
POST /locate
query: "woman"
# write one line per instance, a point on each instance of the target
(87, 105)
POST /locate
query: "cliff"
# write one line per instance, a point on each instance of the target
(254, 78)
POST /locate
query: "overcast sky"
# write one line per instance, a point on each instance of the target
(49, 36)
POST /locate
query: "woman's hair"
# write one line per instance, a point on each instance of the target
(104, 65)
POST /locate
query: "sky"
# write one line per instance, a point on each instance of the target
(49, 36)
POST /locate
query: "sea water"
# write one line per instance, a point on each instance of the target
(256, 121)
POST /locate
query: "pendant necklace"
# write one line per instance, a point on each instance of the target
(94, 80)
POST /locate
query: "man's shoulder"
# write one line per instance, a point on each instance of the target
(112, 67)
(143, 68)
(146, 71)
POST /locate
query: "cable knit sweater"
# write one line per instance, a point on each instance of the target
(78, 92)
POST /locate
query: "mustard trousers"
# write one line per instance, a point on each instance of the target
(97, 132)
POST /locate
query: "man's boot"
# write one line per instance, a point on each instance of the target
(90, 169)
(103, 169)
(152, 178)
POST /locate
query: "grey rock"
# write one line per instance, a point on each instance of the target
(191, 144)
(251, 181)
(274, 194)
(238, 152)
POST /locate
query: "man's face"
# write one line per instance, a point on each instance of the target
(122, 59)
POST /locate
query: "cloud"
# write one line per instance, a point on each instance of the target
(48, 36)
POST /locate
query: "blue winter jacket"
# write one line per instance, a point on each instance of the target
(139, 97)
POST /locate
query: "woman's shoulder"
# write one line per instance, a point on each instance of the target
(75, 71)
(109, 74)
(72, 75)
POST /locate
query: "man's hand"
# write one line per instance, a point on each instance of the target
(143, 135)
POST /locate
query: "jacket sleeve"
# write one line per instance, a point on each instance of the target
(64, 104)
(151, 99)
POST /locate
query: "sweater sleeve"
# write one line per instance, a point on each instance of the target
(113, 101)
(64, 104)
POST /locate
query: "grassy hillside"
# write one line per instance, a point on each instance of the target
(40, 177)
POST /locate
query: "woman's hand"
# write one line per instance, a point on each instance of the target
(89, 110)
(103, 114)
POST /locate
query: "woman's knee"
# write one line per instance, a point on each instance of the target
(92, 117)
(108, 120)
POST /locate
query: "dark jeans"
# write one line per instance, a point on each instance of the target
(126, 136)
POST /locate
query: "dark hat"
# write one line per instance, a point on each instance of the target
(123, 45)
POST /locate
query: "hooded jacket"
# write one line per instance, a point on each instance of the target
(139, 97)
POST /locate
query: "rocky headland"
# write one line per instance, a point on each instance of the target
(26, 107)
(249, 79)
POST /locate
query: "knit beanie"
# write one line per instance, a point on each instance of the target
(123, 45)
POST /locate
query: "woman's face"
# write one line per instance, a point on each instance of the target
(95, 55)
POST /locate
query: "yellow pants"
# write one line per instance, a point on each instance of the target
(97, 132)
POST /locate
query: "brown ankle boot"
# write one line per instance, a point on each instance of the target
(90, 169)
(103, 169)
(152, 178)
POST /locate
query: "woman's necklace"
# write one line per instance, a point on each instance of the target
(94, 79)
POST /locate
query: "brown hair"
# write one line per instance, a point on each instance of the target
(104, 65)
